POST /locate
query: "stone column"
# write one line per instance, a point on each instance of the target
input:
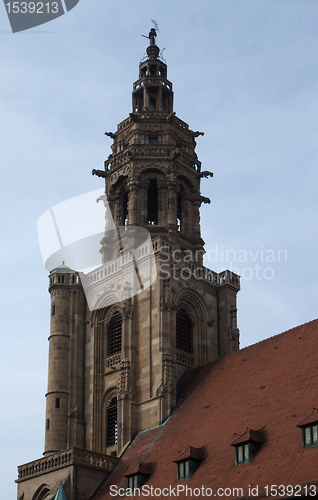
(162, 203)
(143, 203)
(186, 218)
(146, 99)
(228, 331)
(133, 192)
(160, 99)
(167, 389)
(126, 377)
(196, 203)
(172, 207)
(75, 415)
(65, 376)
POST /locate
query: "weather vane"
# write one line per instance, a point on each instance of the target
(154, 22)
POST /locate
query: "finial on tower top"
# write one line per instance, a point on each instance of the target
(152, 33)
(152, 49)
(152, 36)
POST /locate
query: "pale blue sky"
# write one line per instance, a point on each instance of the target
(245, 72)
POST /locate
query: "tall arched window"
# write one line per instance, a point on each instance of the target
(179, 211)
(125, 209)
(152, 206)
(183, 331)
(114, 334)
(112, 422)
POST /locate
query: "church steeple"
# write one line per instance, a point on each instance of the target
(116, 356)
(153, 174)
(187, 316)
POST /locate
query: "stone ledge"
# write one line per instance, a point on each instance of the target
(65, 458)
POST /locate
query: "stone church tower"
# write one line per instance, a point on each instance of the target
(114, 368)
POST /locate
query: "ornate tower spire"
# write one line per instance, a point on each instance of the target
(152, 92)
(153, 174)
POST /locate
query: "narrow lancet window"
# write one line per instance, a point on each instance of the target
(125, 209)
(179, 211)
(152, 212)
(112, 423)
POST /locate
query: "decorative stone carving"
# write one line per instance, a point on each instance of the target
(210, 322)
(127, 310)
(167, 301)
(234, 332)
(110, 397)
(124, 390)
(168, 381)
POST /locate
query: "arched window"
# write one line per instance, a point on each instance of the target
(112, 422)
(183, 331)
(114, 334)
(125, 209)
(152, 211)
(179, 211)
(42, 492)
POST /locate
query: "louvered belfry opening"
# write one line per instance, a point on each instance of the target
(183, 331)
(112, 423)
(114, 334)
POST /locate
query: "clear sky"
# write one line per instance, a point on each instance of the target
(245, 72)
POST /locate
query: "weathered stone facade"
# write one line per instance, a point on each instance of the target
(113, 369)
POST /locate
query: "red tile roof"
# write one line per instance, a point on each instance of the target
(191, 452)
(250, 435)
(312, 418)
(271, 386)
(146, 468)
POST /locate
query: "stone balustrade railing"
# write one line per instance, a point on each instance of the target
(65, 458)
(174, 263)
(113, 361)
(185, 359)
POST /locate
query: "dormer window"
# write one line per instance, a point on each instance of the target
(310, 435)
(188, 461)
(138, 474)
(247, 445)
(309, 428)
(136, 481)
(243, 453)
(186, 468)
